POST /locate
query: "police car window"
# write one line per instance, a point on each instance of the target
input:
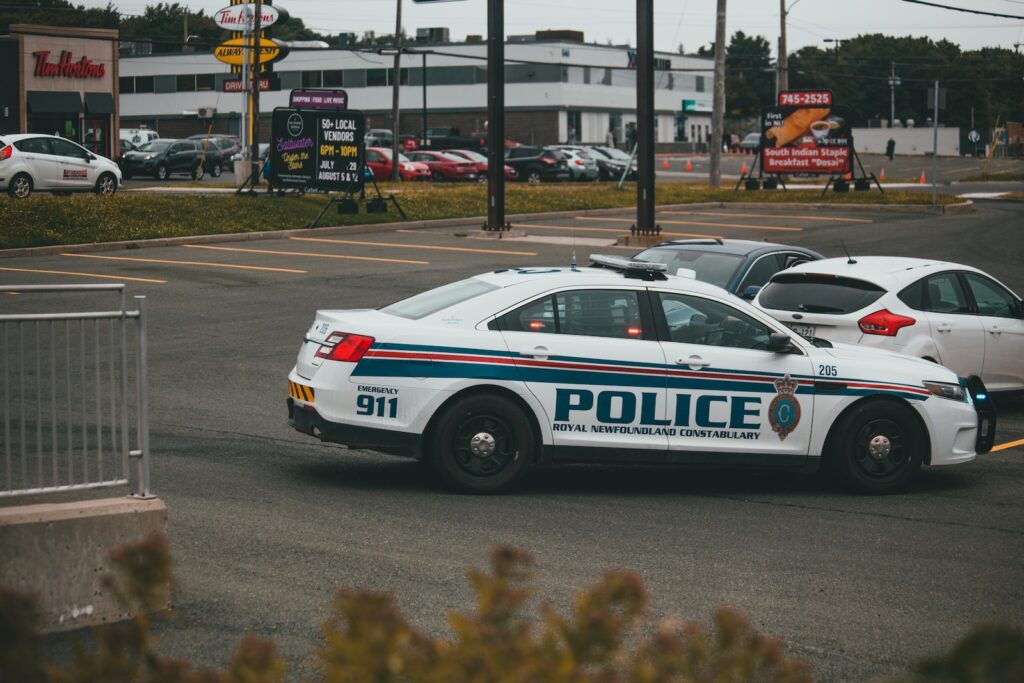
(536, 316)
(991, 298)
(599, 313)
(33, 146)
(693, 320)
(434, 300)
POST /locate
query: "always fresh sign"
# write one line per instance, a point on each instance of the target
(243, 17)
(236, 51)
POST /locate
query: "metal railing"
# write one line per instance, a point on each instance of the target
(66, 407)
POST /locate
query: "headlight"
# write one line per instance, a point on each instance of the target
(954, 392)
(149, 156)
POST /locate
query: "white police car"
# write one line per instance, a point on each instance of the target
(486, 376)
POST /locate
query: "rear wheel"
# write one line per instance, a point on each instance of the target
(216, 170)
(107, 184)
(878, 448)
(436, 176)
(482, 444)
(20, 186)
(162, 172)
(533, 176)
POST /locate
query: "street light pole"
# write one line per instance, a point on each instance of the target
(783, 60)
(424, 79)
(495, 115)
(396, 77)
(645, 114)
(254, 85)
(893, 82)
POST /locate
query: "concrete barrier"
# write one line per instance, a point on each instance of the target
(60, 552)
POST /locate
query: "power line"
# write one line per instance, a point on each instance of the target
(964, 9)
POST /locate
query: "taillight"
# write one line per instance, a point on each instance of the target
(5, 153)
(548, 160)
(345, 347)
(884, 323)
(578, 162)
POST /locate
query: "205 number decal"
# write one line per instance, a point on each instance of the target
(379, 406)
(828, 371)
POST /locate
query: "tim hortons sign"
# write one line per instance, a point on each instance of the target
(66, 66)
(243, 17)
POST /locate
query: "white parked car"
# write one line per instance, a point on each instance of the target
(138, 136)
(948, 313)
(487, 376)
(33, 162)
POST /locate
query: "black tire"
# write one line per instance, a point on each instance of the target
(20, 186)
(482, 444)
(161, 172)
(198, 172)
(106, 184)
(877, 448)
(216, 170)
(437, 177)
(533, 176)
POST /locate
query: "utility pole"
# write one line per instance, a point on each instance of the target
(783, 61)
(893, 82)
(645, 114)
(935, 145)
(246, 127)
(495, 115)
(396, 77)
(254, 85)
(718, 106)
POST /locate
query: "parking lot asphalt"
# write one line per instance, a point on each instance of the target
(266, 524)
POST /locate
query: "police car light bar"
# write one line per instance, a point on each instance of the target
(631, 268)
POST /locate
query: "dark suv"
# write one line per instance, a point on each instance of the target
(162, 158)
(536, 164)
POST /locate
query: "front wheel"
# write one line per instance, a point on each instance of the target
(162, 172)
(20, 186)
(533, 177)
(437, 177)
(107, 184)
(483, 444)
(216, 170)
(877, 449)
(198, 172)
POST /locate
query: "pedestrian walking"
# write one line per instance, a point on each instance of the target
(609, 138)
(890, 149)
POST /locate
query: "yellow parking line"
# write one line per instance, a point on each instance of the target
(702, 223)
(831, 219)
(617, 231)
(303, 253)
(101, 277)
(414, 246)
(188, 263)
(1011, 444)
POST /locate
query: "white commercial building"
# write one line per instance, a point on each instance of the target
(557, 89)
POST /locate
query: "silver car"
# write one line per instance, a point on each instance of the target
(34, 162)
(581, 164)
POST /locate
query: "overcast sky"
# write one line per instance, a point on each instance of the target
(690, 22)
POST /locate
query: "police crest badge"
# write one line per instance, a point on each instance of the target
(784, 410)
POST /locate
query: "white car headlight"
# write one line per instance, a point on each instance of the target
(953, 392)
(149, 156)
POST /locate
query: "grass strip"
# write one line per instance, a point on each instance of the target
(44, 220)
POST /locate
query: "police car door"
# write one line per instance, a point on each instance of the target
(729, 398)
(591, 358)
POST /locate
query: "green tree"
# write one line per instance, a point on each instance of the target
(55, 13)
(749, 82)
(168, 25)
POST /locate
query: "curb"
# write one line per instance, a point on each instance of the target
(952, 209)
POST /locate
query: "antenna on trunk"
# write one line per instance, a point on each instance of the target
(849, 259)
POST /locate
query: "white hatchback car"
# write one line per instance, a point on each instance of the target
(948, 313)
(485, 377)
(34, 162)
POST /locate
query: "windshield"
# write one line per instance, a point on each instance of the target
(710, 266)
(452, 157)
(434, 300)
(155, 146)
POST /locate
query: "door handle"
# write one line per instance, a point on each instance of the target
(945, 328)
(695, 362)
(995, 330)
(539, 352)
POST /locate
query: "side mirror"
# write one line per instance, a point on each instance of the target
(749, 292)
(780, 343)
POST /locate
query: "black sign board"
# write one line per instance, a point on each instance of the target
(317, 149)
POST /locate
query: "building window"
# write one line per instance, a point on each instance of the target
(311, 79)
(334, 78)
(126, 84)
(165, 84)
(355, 78)
(376, 77)
(185, 83)
(606, 79)
(700, 84)
(206, 82)
(143, 84)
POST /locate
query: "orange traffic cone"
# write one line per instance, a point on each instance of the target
(881, 175)
(664, 165)
(743, 168)
(689, 165)
(848, 176)
(923, 181)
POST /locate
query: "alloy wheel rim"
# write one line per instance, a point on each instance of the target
(484, 445)
(882, 448)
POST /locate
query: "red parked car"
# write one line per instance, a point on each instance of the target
(481, 163)
(445, 166)
(379, 161)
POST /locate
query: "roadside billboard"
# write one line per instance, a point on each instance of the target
(806, 133)
(319, 150)
(318, 99)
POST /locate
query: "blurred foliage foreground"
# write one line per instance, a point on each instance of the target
(367, 639)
